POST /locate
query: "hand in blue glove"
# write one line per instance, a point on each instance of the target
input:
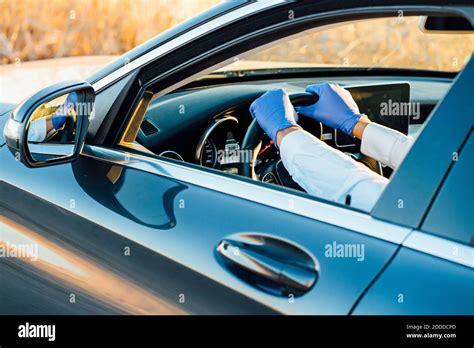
(274, 112)
(59, 117)
(335, 108)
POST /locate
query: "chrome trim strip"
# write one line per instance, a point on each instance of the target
(328, 213)
(440, 247)
(183, 39)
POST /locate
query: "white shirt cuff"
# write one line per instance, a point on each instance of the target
(37, 130)
(384, 144)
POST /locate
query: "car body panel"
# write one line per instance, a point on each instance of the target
(419, 284)
(447, 217)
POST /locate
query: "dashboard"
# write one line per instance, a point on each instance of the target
(206, 125)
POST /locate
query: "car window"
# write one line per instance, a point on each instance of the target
(203, 125)
(395, 42)
(452, 213)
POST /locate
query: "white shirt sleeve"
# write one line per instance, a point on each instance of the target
(328, 173)
(37, 130)
(385, 144)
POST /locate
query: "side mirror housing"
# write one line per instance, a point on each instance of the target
(50, 127)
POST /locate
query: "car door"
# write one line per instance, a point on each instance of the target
(433, 271)
(148, 230)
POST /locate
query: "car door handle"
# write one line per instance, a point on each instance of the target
(271, 264)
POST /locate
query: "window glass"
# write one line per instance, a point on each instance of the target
(383, 43)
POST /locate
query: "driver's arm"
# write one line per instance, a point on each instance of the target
(39, 129)
(328, 173)
(319, 169)
(384, 144)
(337, 109)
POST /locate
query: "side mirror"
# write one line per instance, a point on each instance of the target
(51, 126)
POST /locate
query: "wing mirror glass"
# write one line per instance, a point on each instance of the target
(50, 127)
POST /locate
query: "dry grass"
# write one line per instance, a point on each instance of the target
(387, 42)
(39, 29)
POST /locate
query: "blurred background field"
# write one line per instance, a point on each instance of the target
(55, 40)
(41, 29)
(47, 41)
(44, 29)
(395, 42)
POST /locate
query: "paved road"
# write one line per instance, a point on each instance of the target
(17, 81)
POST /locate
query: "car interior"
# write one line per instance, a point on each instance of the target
(207, 121)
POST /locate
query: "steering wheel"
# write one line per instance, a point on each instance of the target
(253, 138)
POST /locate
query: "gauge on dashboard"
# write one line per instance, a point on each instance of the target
(210, 141)
(209, 154)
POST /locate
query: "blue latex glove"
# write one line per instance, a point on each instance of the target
(274, 112)
(335, 108)
(59, 117)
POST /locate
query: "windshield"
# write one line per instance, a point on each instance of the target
(375, 43)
